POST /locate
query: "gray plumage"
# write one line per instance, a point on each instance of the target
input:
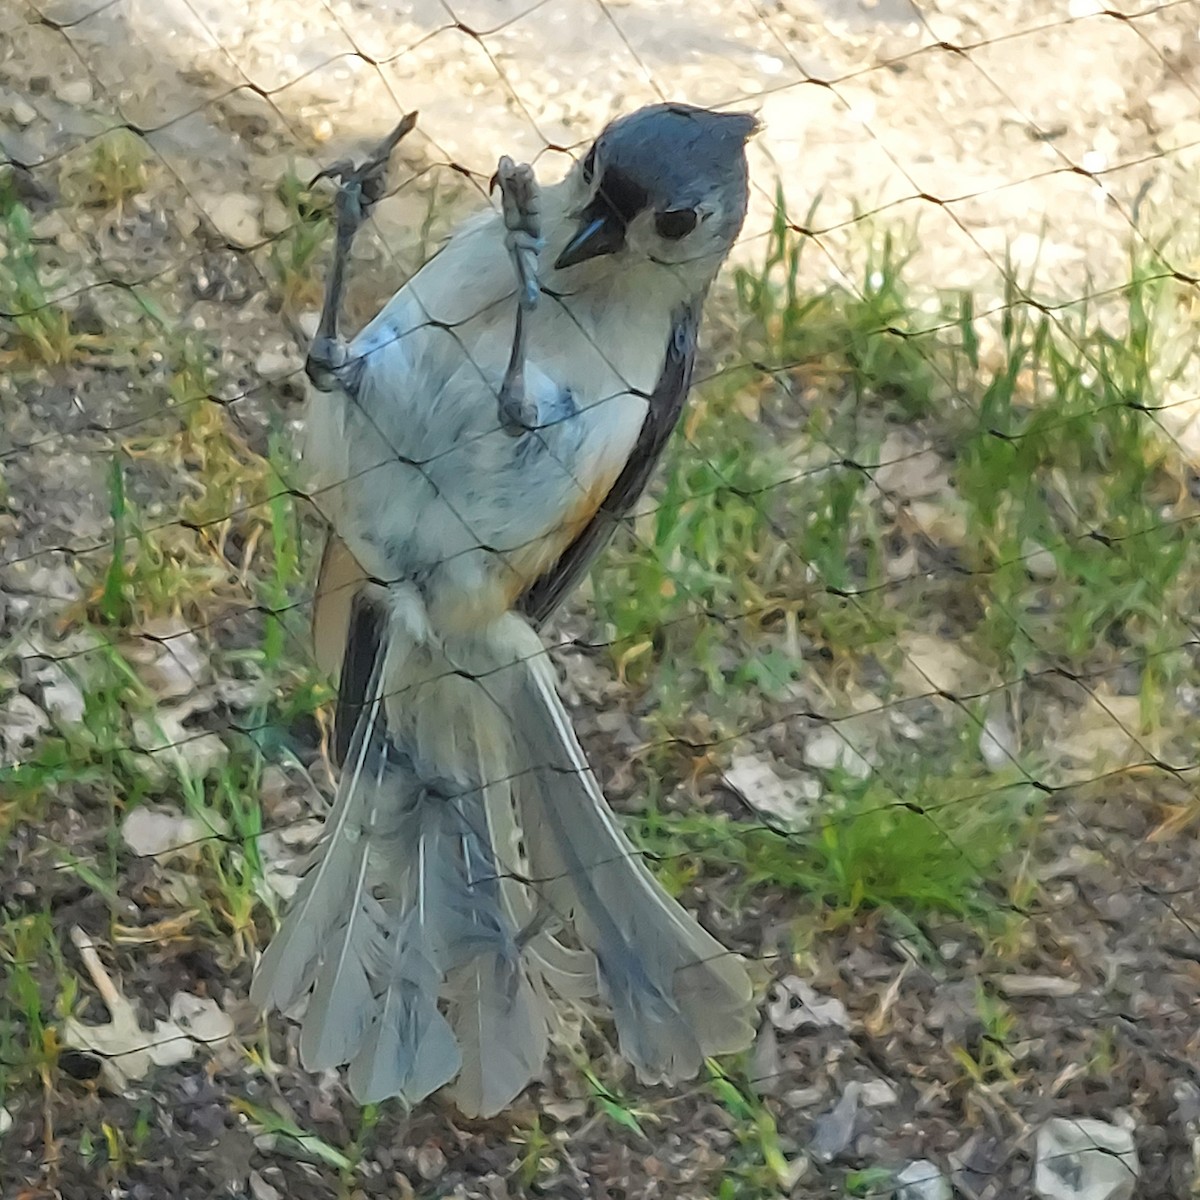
(471, 874)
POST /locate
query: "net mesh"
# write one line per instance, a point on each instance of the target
(893, 673)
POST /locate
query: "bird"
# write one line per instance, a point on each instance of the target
(474, 447)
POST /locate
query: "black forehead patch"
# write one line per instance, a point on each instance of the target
(668, 155)
(624, 195)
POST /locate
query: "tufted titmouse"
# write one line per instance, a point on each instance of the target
(474, 447)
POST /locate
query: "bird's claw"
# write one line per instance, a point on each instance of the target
(518, 414)
(520, 197)
(327, 356)
(521, 207)
(359, 190)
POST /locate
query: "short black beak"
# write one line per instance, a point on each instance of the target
(597, 235)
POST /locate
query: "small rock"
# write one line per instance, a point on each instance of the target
(6, 1121)
(833, 1131)
(270, 364)
(1039, 562)
(22, 113)
(904, 566)
(939, 522)
(155, 833)
(1181, 138)
(1187, 1104)
(946, 29)
(786, 802)
(878, 1093)
(1037, 985)
(794, 1170)
(274, 786)
(51, 227)
(921, 1180)
(806, 1097)
(169, 657)
(1085, 1159)
(243, 693)
(53, 583)
(235, 217)
(22, 723)
(909, 469)
(976, 1165)
(64, 700)
(565, 1111)
(827, 749)
(1169, 106)
(938, 664)
(77, 92)
(150, 767)
(302, 834)
(260, 1189)
(998, 739)
(275, 217)
(431, 1162)
(794, 1005)
(61, 696)
(303, 167)
(200, 1018)
(283, 883)
(195, 751)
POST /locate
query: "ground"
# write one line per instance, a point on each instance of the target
(894, 677)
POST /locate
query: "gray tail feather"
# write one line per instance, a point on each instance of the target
(403, 909)
(427, 959)
(328, 898)
(409, 1048)
(677, 995)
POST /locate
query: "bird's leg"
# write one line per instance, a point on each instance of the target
(521, 204)
(361, 188)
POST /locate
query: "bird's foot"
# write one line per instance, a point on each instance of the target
(362, 187)
(518, 414)
(327, 358)
(520, 203)
(359, 190)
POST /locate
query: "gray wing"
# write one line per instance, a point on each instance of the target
(548, 591)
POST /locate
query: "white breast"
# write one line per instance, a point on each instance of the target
(434, 489)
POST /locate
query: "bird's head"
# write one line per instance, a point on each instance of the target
(667, 184)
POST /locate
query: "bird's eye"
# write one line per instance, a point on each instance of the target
(675, 224)
(589, 165)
